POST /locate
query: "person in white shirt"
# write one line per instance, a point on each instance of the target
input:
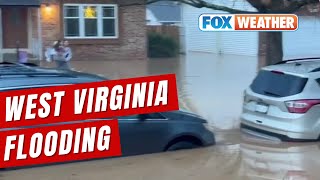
(67, 54)
(61, 53)
(51, 52)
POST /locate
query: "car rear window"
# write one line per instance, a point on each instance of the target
(277, 84)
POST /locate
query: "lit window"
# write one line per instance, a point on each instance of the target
(90, 21)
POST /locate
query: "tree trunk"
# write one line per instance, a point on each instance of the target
(271, 50)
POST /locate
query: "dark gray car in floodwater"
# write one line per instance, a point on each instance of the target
(139, 134)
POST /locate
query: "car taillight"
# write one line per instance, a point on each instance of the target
(301, 106)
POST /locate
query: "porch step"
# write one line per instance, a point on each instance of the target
(12, 57)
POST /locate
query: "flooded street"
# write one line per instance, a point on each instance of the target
(208, 84)
(211, 86)
(242, 158)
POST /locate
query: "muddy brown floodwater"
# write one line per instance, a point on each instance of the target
(235, 157)
(211, 86)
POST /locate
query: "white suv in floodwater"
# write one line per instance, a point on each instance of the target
(284, 101)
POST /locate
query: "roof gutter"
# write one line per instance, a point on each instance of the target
(30, 3)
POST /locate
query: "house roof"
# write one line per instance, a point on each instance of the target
(20, 2)
(166, 11)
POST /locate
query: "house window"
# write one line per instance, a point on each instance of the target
(90, 21)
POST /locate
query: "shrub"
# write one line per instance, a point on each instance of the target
(160, 46)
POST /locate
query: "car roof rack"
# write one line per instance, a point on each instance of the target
(30, 64)
(298, 59)
(7, 63)
(8, 69)
(17, 64)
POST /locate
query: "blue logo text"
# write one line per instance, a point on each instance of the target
(217, 22)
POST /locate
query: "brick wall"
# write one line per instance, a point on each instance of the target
(131, 43)
(50, 22)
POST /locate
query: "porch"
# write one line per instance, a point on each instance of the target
(20, 29)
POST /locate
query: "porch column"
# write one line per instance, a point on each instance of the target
(40, 35)
(1, 38)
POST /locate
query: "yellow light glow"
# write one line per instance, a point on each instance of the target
(47, 8)
(90, 12)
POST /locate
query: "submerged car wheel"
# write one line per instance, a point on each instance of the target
(183, 145)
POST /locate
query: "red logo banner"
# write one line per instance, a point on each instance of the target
(59, 143)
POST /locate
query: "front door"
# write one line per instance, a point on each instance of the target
(15, 27)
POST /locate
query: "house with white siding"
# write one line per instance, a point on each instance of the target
(164, 13)
(305, 42)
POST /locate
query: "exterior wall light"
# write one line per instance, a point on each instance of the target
(48, 7)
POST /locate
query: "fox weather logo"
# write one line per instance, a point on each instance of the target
(216, 22)
(248, 22)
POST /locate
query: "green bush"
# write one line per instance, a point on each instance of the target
(160, 46)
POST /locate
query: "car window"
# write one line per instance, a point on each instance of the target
(277, 84)
(318, 81)
(145, 116)
(133, 117)
(155, 116)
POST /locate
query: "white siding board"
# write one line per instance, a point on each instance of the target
(197, 40)
(241, 43)
(305, 42)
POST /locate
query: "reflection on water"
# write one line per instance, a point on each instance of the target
(267, 160)
(208, 84)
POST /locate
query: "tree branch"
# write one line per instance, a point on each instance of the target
(262, 6)
(295, 5)
(205, 4)
(257, 4)
(194, 3)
